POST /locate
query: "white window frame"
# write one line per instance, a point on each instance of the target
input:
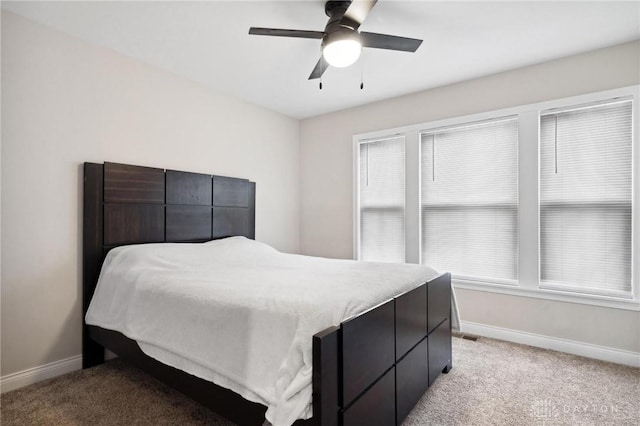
(528, 196)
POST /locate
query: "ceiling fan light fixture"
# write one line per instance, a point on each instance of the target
(342, 42)
(341, 49)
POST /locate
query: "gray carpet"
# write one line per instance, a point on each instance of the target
(500, 383)
(492, 382)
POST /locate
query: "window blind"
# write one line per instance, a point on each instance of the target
(382, 200)
(469, 200)
(586, 198)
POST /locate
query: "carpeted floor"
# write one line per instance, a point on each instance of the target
(492, 383)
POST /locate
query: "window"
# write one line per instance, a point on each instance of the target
(585, 198)
(381, 200)
(469, 200)
(535, 200)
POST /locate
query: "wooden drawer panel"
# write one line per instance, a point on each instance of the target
(412, 380)
(376, 407)
(187, 223)
(133, 223)
(230, 192)
(368, 349)
(133, 184)
(411, 319)
(439, 301)
(230, 221)
(188, 188)
(439, 350)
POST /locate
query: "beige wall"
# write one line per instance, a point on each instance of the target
(327, 190)
(65, 102)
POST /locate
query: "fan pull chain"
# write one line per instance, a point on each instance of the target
(320, 84)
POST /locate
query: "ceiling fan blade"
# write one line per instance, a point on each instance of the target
(286, 33)
(320, 68)
(357, 12)
(390, 42)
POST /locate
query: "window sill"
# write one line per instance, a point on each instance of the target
(547, 294)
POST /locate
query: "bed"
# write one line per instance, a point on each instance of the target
(371, 368)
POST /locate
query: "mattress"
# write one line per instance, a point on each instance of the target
(239, 313)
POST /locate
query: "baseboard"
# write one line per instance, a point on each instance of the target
(36, 374)
(604, 353)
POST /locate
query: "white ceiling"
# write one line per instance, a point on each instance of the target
(208, 42)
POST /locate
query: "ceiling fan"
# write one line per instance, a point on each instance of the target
(341, 40)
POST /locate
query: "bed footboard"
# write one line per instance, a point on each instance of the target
(373, 368)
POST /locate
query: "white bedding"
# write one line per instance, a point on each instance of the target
(239, 313)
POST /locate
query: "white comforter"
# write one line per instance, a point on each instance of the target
(239, 313)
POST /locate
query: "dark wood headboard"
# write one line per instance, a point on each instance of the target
(126, 204)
